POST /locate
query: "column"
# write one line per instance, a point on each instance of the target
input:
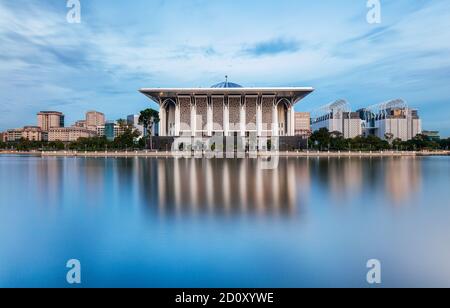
(209, 118)
(242, 118)
(193, 118)
(275, 131)
(162, 117)
(177, 119)
(259, 117)
(226, 118)
(292, 121)
(289, 121)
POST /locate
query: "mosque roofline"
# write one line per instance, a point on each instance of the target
(297, 93)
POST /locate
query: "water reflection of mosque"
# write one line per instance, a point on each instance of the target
(225, 186)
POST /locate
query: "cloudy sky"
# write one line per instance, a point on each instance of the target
(120, 46)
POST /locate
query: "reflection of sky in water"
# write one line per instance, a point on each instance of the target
(224, 223)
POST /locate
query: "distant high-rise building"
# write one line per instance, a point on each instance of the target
(50, 119)
(94, 119)
(3, 137)
(80, 123)
(302, 124)
(133, 120)
(109, 130)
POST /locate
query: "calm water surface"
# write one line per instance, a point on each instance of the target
(224, 223)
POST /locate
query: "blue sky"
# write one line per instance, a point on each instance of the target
(121, 46)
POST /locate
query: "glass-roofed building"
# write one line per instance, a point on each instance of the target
(227, 109)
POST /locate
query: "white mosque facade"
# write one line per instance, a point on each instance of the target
(227, 109)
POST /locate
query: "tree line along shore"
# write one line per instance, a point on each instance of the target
(322, 140)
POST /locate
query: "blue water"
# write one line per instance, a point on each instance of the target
(143, 222)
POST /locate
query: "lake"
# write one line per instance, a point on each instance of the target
(148, 222)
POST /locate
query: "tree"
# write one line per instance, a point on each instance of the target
(121, 122)
(337, 141)
(90, 144)
(148, 118)
(56, 145)
(444, 144)
(389, 137)
(321, 138)
(397, 144)
(336, 134)
(127, 139)
(422, 142)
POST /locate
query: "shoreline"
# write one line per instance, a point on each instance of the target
(164, 154)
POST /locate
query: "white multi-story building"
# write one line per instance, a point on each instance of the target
(338, 119)
(405, 125)
(393, 119)
(347, 123)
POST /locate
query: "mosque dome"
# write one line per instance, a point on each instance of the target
(227, 84)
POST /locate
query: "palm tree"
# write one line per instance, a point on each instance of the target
(122, 123)
(148, 118)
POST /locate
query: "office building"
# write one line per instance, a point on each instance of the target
(302, 124)
(50, 119)
(80, 123)
(4, 137)
(111, 130)
(31, 133)
(432, 135)
(391, 120)
(94, 119)
(69, 134)
(337, 117)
